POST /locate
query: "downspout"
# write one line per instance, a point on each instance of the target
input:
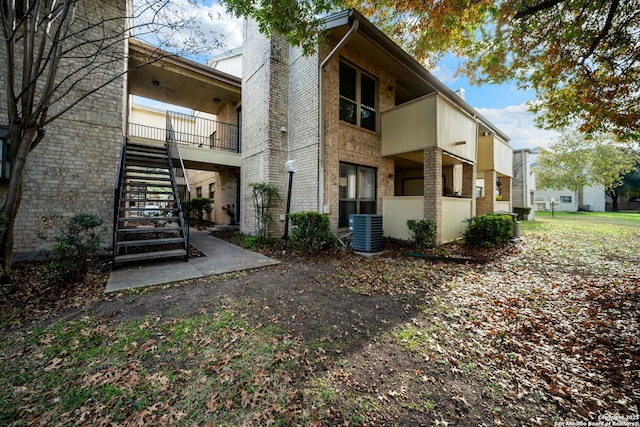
(354, 28)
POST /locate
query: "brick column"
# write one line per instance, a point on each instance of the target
(265, 100)
(469, 184)
(433, 188)
(487, 203)
(506, 190)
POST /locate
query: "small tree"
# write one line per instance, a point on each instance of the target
(264, 196)
(628, 187)
(575, 162)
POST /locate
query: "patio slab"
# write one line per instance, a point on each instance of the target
(221, 257)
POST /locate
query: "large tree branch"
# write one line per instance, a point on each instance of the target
(605, 30)
(532, 10)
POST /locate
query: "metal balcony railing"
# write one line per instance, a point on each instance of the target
(192, 131)
(204, 133)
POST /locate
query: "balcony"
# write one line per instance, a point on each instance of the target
(192, 131)
(204, 143)
(495, 154)
(430, 121)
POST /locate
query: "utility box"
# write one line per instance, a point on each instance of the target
(366, 232)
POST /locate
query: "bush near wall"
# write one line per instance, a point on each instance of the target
(523, 212)
(311, 230)
(76, 246)
(201, 205)
(488, 230)
(423, 233)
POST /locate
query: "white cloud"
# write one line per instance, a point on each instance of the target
(445, 74)
(216, 21)
(518, 123)
(210, 31)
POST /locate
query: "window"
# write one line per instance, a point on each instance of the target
(357, 189)
(212, 191)
(198, 191)
(357, 97)
(565, 199)
(5, 154)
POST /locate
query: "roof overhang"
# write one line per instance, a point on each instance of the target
(163, 76)
(412, 79)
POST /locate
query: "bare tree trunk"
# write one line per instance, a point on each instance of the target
(12, 202)
(614, 201)
(6, 250)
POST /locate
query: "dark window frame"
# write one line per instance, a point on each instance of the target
(360, 203)
(358, 106)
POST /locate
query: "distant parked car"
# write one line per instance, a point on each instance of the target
(151, 210)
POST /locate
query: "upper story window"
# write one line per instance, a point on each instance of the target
(5, 154)
(357, 97)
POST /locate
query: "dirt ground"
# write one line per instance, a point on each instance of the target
(305, 299)
(357, 308)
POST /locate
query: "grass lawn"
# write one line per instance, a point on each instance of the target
(547, 331)
(624, 218)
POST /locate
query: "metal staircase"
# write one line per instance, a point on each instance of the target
(148, 219)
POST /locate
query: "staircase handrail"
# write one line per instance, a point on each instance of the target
(173, 151)
(118, 195)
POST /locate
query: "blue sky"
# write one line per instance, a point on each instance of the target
(504, 105)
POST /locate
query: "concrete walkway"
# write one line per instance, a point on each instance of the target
(221, 257)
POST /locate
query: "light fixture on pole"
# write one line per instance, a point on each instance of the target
(291, 167)
(553, 202)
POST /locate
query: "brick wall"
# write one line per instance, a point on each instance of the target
(347, 143)
(487, 203)
(303, 130)
(73, 169)
(264, 113)
(469, 183)
(520, 191)
(433, 188)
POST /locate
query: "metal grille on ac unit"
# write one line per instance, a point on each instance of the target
(366, 232)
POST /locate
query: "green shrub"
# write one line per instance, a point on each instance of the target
(75, 248)
(264, 196)
(488, 230)
(199, 206)
(522, 211)
(311, 230)
(423, 233)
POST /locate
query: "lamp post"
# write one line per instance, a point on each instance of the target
(291, 167)
(553, 202)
